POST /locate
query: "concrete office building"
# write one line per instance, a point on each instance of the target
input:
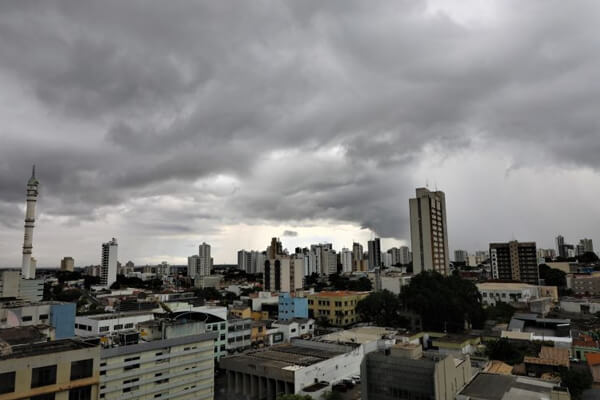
(284, 273)
(404, 371)
(516, 261)
(181, 368)
(108, 274)
(33, 368)
(429, 232)
(374, 247)
(67, 264)
(201, 264)
(290, 368)
(239, 333)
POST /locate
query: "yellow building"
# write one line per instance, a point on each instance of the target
(240, 311)
(61, 370)
(339, 307)
(259, 333)
(260, 315)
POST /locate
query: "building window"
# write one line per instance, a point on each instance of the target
(43, 376)
(103, 329)
(7, 382)
(81, 393)
(133, 366)
(43, 316)
(82, 369)
(118, 327)
(26, 318)
(129, 325)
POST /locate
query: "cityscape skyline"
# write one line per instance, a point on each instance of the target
(170, 155)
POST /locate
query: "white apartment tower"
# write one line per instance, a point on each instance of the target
(428, 231)
(28, 263)
(201, 264)
(108, 274)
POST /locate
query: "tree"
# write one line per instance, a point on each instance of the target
(501, 312)
(444, 303)
(588, 258)
(552, 276)
(512, 352)
(69, 295)
(382, 308)
(333, 395)
(577, 381)
(208, 293)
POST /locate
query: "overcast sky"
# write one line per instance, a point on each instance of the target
(169, 123)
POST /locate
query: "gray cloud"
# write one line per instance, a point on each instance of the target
(292, 111)
(287, 233)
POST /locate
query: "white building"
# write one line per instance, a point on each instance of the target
(108, 324)
(201, 264)
(405, 255)
(310, 264)
(284, 273)
(108, 274)
(346, 260)
(394, 282)
(296, 327)
(28, 262)
(181, 368)
(493, 292)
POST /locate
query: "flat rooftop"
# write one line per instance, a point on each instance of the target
(360, 335)
(336, 293)
(504, 286)
(507, 387)
(117, 315)
(286, 356)
(41, 348)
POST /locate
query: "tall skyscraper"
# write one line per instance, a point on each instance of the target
(108, 274)
(560, 243)
(346, 260)
(404, 255)
(28, 263)
(374, 253)
(514, 261)
(587, 245)
(461, 256)
(429, 232)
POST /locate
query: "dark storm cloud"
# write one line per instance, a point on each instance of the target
(314, 110)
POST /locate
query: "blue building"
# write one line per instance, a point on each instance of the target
(62, 318)
(292, 307)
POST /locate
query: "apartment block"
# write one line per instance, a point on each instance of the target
(180, 368)
(586, 285)
(514, 261)
(292, 307)
(108, 324)
(61, 316)
(429, 232)
(284, 273)
(32, 369)
(339, 307)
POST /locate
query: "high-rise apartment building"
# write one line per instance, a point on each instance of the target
(405, 255)
(429, 232)
(284, 273)
(251, 261)
(461, 256)
(357, 256)
(560, 246)
(346, 260)
(201, 264)
(514, 261)
(586, 245)
(374, 253)
(108, 274)
(67, 264)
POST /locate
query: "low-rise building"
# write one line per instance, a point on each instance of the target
(297, 327)
(291, 307)
(580, 306)
(338, 307)
(405, 371)
(59, 315)
(290, 368)
(551, 360)
(257, 300)
(213, 323)
(34, 368)
(239, 334)
(108, 324)
(514, 292)
(587, 284)
(181, 368)
(486, 386)
(530, 327)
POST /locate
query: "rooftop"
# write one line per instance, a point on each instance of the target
(23, 334)
(291, 321)
(507, 387)
(550, 356)
(504, 285)
(285, 356)
(592, 358)
(103, 317)
(156, 344)
(41, 348)
(337, 293)
(358, 335)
